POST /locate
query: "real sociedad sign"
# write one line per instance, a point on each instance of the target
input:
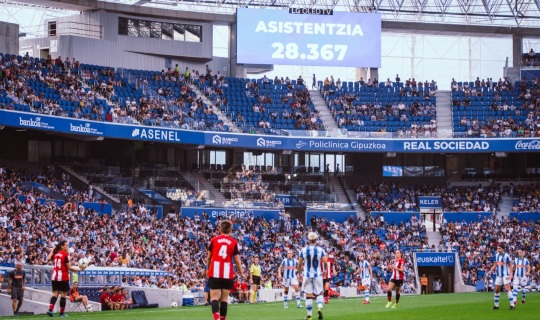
(435, 259)
(345, 144)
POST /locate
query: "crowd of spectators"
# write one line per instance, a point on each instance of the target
(68, 88)
(526, 197)
(385, 196)
(410, 110)
(485, 108)
(530, 59)
(477, 241)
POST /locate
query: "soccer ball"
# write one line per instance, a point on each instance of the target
(90, 309)
(83, 263)
(312, 236)
(174, 304)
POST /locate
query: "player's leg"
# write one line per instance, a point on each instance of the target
(63, 295)
(510, 293)
(523, 289)
(398, 295)
(516, 288)
(285, 297)
(224, 303)
(326, 283)
(215, 294)
(54, 298)
(497, 294)
(297, 294)
(389, 293)
(318, 290)
(366, 290)
(307, 287)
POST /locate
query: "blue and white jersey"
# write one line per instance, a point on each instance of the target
(289, 268)
(520, 267)
(312, 256)
(502, 262)
(364, 267)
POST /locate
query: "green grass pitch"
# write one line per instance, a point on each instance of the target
(442, 306)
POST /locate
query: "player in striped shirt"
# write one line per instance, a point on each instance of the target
(222, 250)
(503, 267)
(522, 270)
(364, 269)
(396, 280)
(310, 270)
(289, 279)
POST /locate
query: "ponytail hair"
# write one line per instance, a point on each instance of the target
(58, 247)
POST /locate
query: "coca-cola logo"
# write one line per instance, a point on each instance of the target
(528, 145)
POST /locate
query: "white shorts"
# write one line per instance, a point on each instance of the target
(520, 281)
(366, 282)
(312, 285)
(499, 281)
(289, 282)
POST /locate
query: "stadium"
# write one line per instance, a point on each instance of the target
(132, 128)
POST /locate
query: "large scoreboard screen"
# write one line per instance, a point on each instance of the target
(344, 39)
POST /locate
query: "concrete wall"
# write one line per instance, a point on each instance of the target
(9, 38)
(162, 297)
(117, 50)
(36, 301)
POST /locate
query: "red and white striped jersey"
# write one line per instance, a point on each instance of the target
(398, 275)
(327, 274)
(60, 270)
(222, 248)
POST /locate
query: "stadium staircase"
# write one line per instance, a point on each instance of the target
(434, 237)
(444, 113)
(197, 180)
(217, 110)
(505, 207)
(115, 201)
(324, 113)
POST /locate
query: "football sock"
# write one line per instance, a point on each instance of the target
(326, 293)
(496, 298)
(515, 293)
(523, 294)
(19, 304)
(511, 297)
(215, 306)
(309, 306)
(52, 303)
(62, 305)
(389, 296)
(320, 301)
(397, 297)
(223, 309)
(285, 297)
(253, 297)
(366, 295)
(298, 297)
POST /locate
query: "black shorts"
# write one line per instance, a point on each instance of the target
(220, 284)
(325, 281)
(397, 283)
(256, 280)
(62, 286)
(17, 293)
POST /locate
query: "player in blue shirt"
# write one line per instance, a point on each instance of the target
(364, 269)
(310, 269)
(289, 278)
(522, 270)
(503, 268)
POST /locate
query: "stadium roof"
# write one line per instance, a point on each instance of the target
(507, 13)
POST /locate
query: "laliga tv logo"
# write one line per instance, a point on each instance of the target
(300, 144)
(135, 132)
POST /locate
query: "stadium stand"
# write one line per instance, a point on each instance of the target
(408, 109)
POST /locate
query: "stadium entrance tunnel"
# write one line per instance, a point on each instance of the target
(445, 274)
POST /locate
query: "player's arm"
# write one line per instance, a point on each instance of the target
(511, 267)
(299, 268)
(236, 257)
(73, 268)
(324, 261)
(528, 272)
(208, 261)
(9, 283)
(23, 281)
(370, 271)
(279, 270)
